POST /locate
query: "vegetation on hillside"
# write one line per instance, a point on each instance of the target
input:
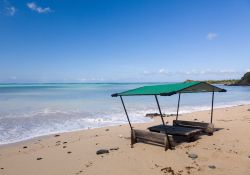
(244, 81)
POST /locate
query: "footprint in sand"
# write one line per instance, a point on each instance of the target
(89, 164)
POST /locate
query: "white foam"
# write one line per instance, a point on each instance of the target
(48, 121)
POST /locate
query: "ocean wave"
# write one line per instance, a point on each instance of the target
(15, 128)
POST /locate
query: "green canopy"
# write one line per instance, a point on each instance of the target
(171, 89)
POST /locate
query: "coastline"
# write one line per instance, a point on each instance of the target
(199, 109)
(75, 152)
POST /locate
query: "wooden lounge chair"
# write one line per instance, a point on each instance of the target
(151, 137)
(187, 132)
(205, 127)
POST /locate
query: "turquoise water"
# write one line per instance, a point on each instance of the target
(30, 110)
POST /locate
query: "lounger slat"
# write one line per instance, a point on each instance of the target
(176, 130)
(206, 127)
(150, 136)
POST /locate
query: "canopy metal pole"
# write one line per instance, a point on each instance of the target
(178, 106)
(169, 145)
(126, 113)
(212, 108)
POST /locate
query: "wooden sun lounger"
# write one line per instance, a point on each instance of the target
(150, 137)
(206, 127)
(176, 131)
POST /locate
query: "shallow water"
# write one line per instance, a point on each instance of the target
(30, 110)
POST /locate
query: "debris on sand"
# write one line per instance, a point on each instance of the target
(170, 171)
(57, 135)
(114, 148)
(39, 158)
(193, 156)
(102, 151)
(212, 166)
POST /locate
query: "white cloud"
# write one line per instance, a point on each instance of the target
(8, 8)
(193, 72)
(33, 6)
(163, 71)
(208, 72)
(211, 36)
(11, 10)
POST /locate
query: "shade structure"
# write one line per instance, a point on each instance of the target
(166, 90)
(171, 89)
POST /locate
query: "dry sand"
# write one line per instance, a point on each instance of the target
(228, 150)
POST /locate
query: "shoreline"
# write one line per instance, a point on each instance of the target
(143, 122)
(75, 152)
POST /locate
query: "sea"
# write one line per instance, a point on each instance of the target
(32, 110)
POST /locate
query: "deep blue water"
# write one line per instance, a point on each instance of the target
(30, 110)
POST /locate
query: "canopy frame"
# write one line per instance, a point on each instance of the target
(183, 90)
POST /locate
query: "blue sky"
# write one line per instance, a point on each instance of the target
(123, 41)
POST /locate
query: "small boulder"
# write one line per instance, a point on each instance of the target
(39, 158)
(106, 129)
(193, 156)
(102, 151)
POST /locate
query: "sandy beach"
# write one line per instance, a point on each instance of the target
(226, 152)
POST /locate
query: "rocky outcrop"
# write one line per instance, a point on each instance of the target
(244, 81)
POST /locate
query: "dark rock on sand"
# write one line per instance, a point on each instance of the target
(102, 151)
(2, 168)
(106, 129)
(57, 135)
(249, 156)
(212, 166)
(193, 156)
(248, 110)
(39, 158)
(64, 146)
(24, 147)
(69, 152)
(152, 115)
